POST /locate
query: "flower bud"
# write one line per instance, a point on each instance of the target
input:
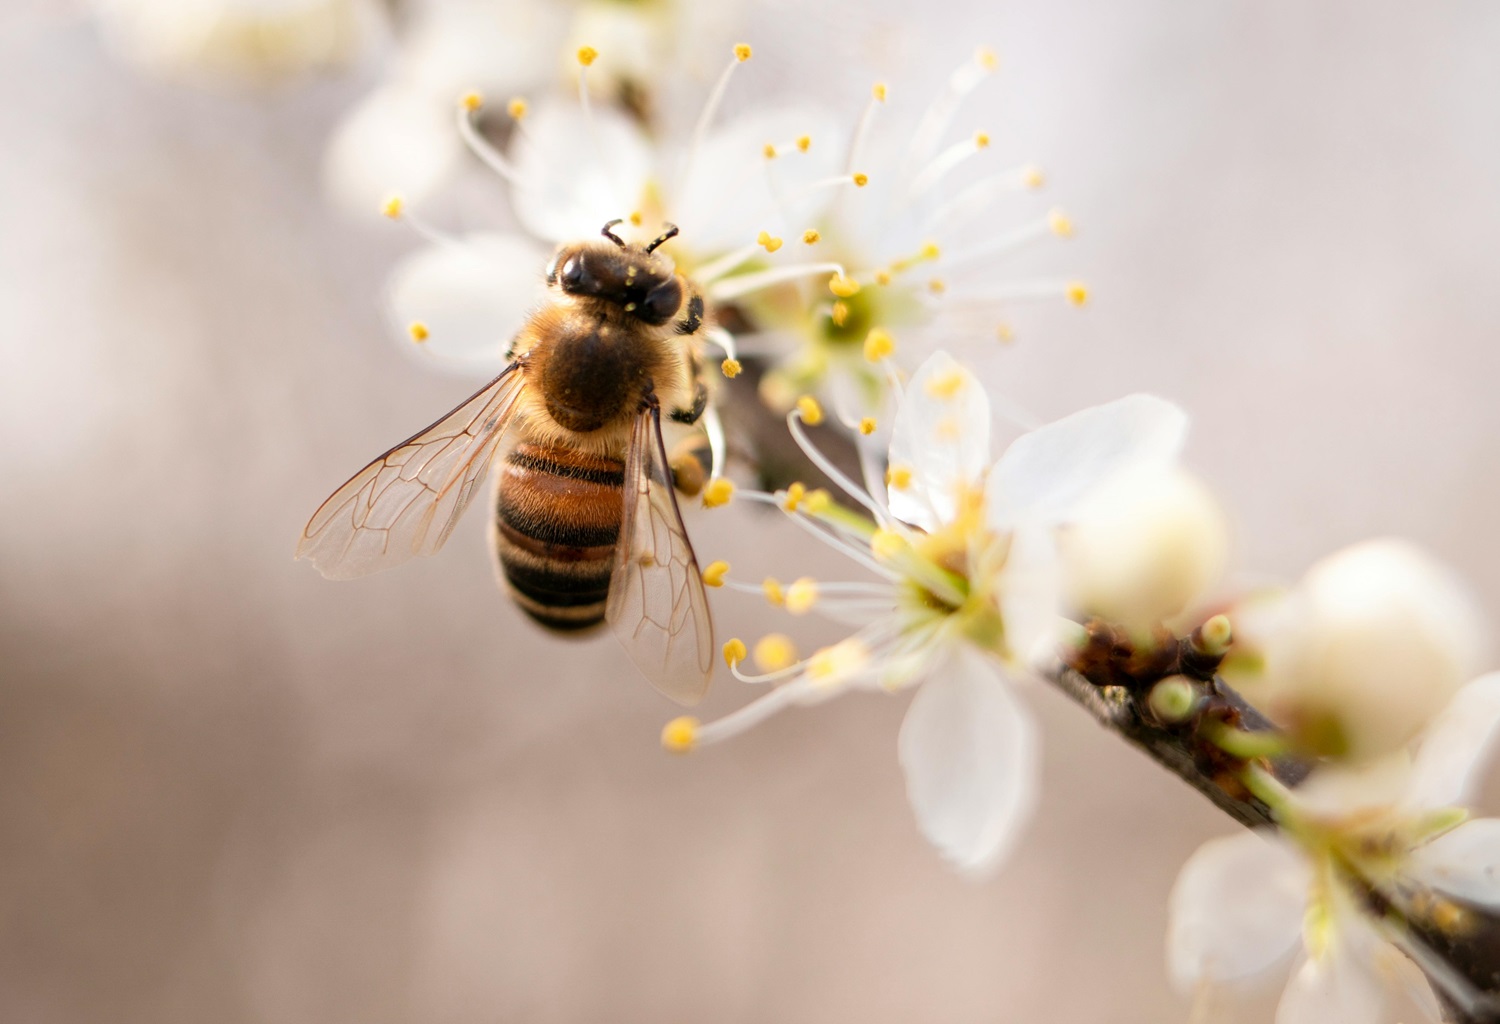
(1144, 547)
(1374, 642)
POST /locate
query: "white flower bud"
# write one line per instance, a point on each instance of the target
(1144, 547)
(1374, 643)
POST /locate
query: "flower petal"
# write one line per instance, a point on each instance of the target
(942, 436)
(577, 171)
(1044, 474)
(471, 297)
(969, 750)
(491, 45)
(1031, 594)
(1455, 744)
(1340, 988)
(1236, 908)
(1464, 863)
(395, 140)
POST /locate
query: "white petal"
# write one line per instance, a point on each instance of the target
(1236, 908)
(1464, 863)
(941, 434)
(395, 141)
(1031, 585)
(1335, 790)
(496, 46)
(578, 172)
(1044, 474)
(1335, 990)
(471, 297)
(1456, 743)
(970, 754)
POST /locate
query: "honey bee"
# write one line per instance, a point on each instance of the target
(586, 526)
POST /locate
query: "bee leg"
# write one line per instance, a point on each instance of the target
(689, 463)
(700, 402)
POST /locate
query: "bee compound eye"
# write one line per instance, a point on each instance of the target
(662, 302)
(552, 269)
(574, 275)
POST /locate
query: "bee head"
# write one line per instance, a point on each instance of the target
(631, 277)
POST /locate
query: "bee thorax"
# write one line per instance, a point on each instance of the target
(592, 377)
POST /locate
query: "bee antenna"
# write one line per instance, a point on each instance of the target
(607, 233)
(671, 232)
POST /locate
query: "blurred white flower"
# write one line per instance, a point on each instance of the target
(967, 592)
(247, 41)
(1243, 904)
(1371, 645)
(1144, 548)
(400, 137)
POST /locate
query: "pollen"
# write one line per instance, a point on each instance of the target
(879, 92)
(811, 236)
(898, 477)
(810, 411)
(418, 331)
(1032, 177)
(843, 286)
(1059, 223)
(886, 543)
(471, 100)
(635, 221)
(794, 495)
(587, 55)
(774, 652)
(713, 576)
(393, 206)
(945, 385)
(867, 425)
(680, 735)
(802, 595)
(986, 58)
(742, 52)
(775, 595)
(804, 143)
(817, 502)
(1078, 293)
(768, 241)
(730, 368)
(882, 277)
(1004, 334)
(930, 251)
(836, 663)
(718, 492)
(860, 179)
(769, 151)
(937, 286)
(734, 651)
(517, 108)
(879, 345)
(839, 314)
(981, 140)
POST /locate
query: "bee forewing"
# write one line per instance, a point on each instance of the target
(657, 604)
(407, 501)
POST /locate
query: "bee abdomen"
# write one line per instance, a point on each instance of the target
(557, 518)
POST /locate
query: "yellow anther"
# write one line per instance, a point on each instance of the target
(1004, 333)
(986, 58)
(587, 55)
(418, 331)
(730, 368)
(802, 595)
(882, 277)
(886, 544)
(810, 411)
(861, 179)
(981, 140)
(713, 576)
(930, 251)
(393, 206)
(1078, 293)
(769, 151)
(774, 652)
(843, 286)
(879, 345)
(742, 52)
(635, 218)
(517, 108)
(471, 100)
(811, 236)
(898, 477)
(794, 495)
(1059, 223)
(867, 425)
(1032, 177)
(937, 286)
(718, 492)
(804, 142)
(947, 429)
(817, 502)
(839, 313)
(680, 735)
(834, 664)
(735, 651)
(772, 589)
(768, 242)
(879, 92)
(944, 386)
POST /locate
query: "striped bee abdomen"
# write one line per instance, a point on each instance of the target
(557, 518)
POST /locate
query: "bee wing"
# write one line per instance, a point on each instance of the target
(657, 605)
(407, 501)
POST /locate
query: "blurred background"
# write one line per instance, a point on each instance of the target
(231, 790)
